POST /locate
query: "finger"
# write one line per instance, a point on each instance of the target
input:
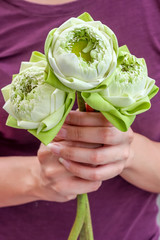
(94, 156)
(99, 173)
(78, 144)
(78, 118)
(101, 135)
(75, 186)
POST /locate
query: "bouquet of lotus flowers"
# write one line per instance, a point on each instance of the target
(81, 56)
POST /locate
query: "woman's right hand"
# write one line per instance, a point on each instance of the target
(56, 183)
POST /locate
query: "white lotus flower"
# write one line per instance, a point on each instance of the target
(130, 84)
(32, 102)
(82, 54)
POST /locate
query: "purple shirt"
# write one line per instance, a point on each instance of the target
(119, 210)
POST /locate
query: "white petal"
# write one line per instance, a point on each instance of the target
(52, 120)
(68, 64)
(6, 92)
(9, 108)
(78, 84)
(54, 64)
(120, 101)
(25, 65)
(57, 100)
(27, 124)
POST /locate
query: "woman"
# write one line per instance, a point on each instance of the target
(123, 168)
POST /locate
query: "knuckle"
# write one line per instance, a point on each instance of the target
(96, 176)
(130, 135)
(57, 188)
(119, 169)
(48, 172)
(43, 153)
(104, 134)
(108, 134)
(125, 154)
(78, 118)
(96, 185)
(77, 135)
(95, 158)
(68, 154)
(76, 171)
(70, 197)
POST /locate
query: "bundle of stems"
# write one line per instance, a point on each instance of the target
(82, 226)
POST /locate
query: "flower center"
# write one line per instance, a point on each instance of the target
(85, 44)
(24, 85)
(77, 49)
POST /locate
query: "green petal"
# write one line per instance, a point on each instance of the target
(12, 122)
(52, 120)
(123, 48)
(48, 41)
(86, 17)
(121, 56)
(138, 107)
(47, 137)
(153, 92)
(103, 85)
(51, 79)
(118, 119)
(37, 56)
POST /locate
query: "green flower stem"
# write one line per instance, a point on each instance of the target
(80, 216)
(81, 102)
(87, 231)
(82, 226)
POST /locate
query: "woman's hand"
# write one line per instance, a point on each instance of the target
(57, 183)
(95, 150)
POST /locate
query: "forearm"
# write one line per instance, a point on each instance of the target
(143, 168)
(18, 180)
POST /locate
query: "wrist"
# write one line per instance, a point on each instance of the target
(32, 181)
(131, 153)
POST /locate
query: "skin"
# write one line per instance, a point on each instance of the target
(87, 151)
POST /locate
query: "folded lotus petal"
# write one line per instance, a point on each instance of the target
(58, 98)
(118, 119)
(25, 65)
(6, 91)
(9, 108)
(52, 120)
(27, 124)
(48, 136)
(120, 101)
(138, 107)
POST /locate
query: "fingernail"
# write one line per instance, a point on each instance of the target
(62, 133)
(55, 148)
(64, 162)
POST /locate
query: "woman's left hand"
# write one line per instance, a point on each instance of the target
(91, 148)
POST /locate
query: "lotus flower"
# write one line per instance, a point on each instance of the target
(82, 54)
(34, 104)
(128, 94)
(130, 83)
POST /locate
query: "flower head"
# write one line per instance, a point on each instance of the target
(130, 83)
(31, 100)
(127, 95)
(82, 54)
